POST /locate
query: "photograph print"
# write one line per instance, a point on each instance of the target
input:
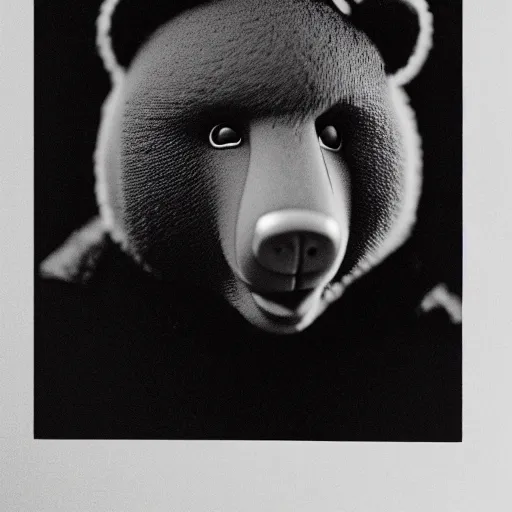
(248, 220)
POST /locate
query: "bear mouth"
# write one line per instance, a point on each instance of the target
(286, 308)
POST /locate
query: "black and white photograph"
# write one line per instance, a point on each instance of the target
(254, 255)
(248, 220)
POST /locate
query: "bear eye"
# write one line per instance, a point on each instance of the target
(224, 136)
(329, 138)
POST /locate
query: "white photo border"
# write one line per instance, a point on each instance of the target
(225, 476)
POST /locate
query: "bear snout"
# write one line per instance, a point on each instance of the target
(293, 216)
(295, 242)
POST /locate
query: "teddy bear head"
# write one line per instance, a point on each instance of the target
(264, 150)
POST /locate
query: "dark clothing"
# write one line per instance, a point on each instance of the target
(127, 356)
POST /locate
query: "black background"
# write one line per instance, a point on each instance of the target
(186, 365)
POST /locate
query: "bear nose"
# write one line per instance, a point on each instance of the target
(295, 242)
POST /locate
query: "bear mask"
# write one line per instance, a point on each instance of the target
(264, 150)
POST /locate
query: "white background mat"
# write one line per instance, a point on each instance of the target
(143, 476)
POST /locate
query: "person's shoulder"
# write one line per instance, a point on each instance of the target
(88, 281)
(79, 257)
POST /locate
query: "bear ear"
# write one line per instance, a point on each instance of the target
(123, 25)
(400, 29)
